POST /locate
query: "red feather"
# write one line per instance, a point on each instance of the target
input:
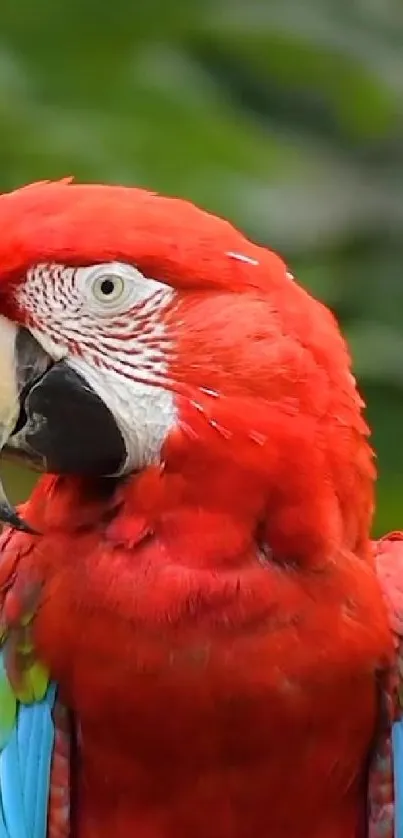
(215, 623)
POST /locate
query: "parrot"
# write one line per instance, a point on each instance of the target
(198, 635)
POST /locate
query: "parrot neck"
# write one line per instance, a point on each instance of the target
(207, 515)
(205, 521)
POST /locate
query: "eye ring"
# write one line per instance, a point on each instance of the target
(108, 288)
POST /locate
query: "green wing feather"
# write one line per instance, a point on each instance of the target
(8, 705)
(22, 677)
(34, 683)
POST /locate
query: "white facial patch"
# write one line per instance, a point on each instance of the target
(145, 413)
(107, 322)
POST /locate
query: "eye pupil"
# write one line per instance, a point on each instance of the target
(107, 287)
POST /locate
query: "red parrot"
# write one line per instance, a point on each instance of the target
(194, 571)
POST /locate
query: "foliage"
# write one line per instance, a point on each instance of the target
(283, 115)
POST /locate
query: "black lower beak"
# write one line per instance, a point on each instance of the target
(67, 428)
(64, 427)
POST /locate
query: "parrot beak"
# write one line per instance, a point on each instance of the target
(50, 418)
(11, 388)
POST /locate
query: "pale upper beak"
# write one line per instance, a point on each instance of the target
(9, 395)
(18, 366)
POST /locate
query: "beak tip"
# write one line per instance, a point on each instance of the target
(10, 517)
(23, 526)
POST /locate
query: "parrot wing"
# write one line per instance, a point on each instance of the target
(25, 763)
(34, 752)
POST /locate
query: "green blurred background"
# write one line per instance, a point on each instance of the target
(284, 115)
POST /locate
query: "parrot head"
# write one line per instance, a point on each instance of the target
(140, 332)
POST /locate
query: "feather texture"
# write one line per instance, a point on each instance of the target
(25, 763)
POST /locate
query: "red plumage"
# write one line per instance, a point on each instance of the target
(215, 622)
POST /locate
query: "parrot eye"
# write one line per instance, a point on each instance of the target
(112, 288)
(108, 288)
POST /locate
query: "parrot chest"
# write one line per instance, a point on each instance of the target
(254, 716)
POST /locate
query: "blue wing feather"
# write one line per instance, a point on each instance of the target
(397, 739)
(11, 789)
(35, 733)
(25, 763)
